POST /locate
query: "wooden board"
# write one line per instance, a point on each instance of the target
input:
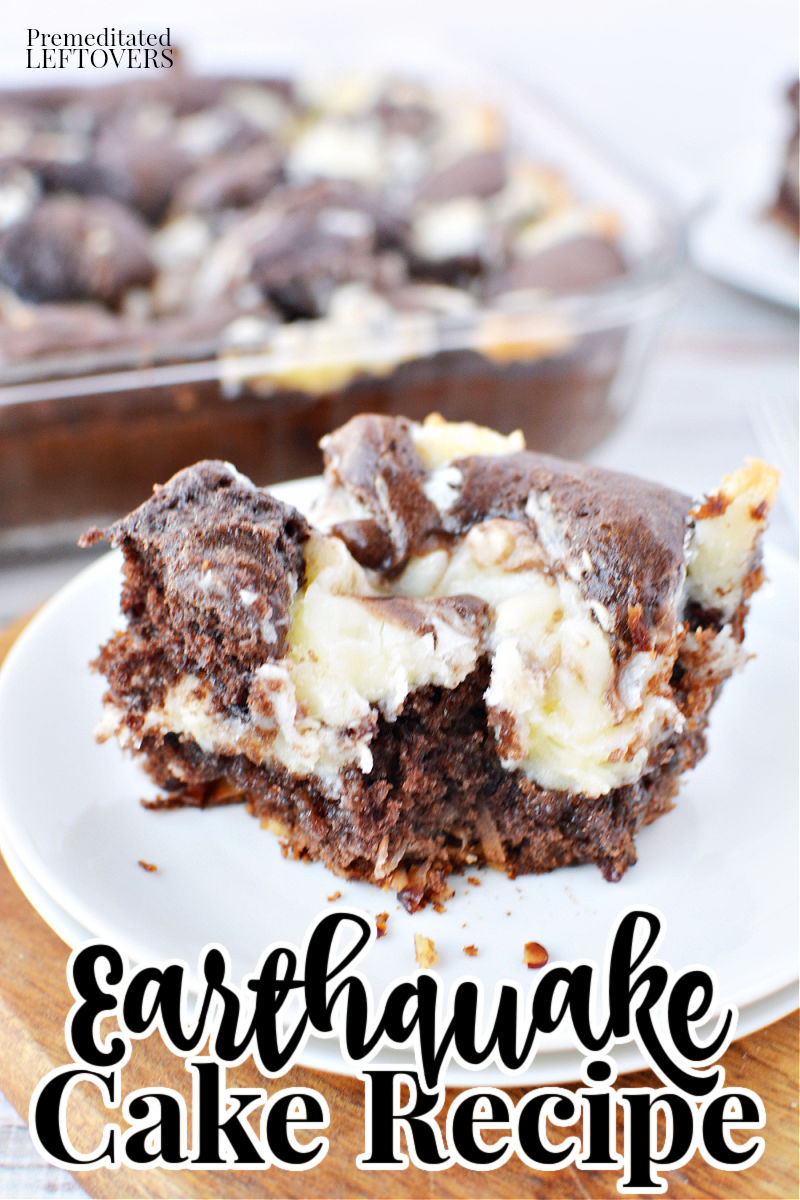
(34, 1000)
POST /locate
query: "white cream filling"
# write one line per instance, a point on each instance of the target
(186, 710)
(512, 333)
(347, 657)
(438, 442)
(347, 223)
(19, 192)
(181, 243)
(530, 191)
(326, 353)
(467, 126)
(453, 229)
(263, 108)
(337, 149)
(14, 133)
(337, 505)
(276, 730)
(549, 529)
(553, 683)
(443, 486)
(202, 134)
(153, 120)
(346, 95)
(721, 544)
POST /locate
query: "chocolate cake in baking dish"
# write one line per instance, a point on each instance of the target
(286, 253)
(190, 213)
(468, 654)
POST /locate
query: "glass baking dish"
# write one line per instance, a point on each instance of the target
(85, 433)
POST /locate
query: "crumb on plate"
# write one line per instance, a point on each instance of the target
(425, 951)
(535, 955)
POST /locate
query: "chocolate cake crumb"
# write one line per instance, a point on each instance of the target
(535, 955)
(425, 951)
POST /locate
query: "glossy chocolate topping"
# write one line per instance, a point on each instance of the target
(376, 460)
(619, 537)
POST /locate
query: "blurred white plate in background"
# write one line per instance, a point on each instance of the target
(737, 241)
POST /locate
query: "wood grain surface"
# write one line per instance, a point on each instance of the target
(34, 1000)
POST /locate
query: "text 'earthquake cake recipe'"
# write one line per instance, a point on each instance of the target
(470, 653)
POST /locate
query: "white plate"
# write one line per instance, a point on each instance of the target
(722, 867)
(737, 241)
(549, 1067)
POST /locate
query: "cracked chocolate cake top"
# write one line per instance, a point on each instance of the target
(239, 206)
(228, 558)
(620, 537)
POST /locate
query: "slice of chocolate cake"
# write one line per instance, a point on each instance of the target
(470, 654)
